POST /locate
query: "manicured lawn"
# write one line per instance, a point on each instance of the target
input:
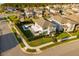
(63, 35)
(58, 43)
(13, 18)
(75, 33)
(40, 41)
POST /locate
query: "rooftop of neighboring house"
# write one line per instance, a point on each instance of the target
(28, 9)
(43, 23)
(73, 17)
(63, 19)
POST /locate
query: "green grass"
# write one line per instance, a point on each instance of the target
(75, 33)
(14, 19)
(40, 41)
(31, 50)
(63, 35)
(52, 45)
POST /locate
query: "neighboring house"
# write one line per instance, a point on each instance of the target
(29, 12)
(69, 11)
(10, 9)
(42, 26)
(77, 27)
(67, 24)
(68, 27)
(47, 12)
(38, 12)
(58, 26)
(75, 9)
(75, 19)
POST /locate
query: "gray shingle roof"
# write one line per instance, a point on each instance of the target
(43, 23)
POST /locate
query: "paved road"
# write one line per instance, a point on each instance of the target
(8, 44)
(67, 49)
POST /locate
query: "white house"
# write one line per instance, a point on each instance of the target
(42, 26)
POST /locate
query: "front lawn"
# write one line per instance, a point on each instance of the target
(58, 43)
(63, 35)
(40, 41)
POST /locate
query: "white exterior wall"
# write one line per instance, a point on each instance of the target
(36, 28)
(70, 27)
(48, 30)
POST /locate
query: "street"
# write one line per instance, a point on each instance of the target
(66, 49)
(8, 43)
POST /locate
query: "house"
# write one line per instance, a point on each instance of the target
(39, 12)
(75, 9)
(67, 24)
(51, 10)
(10, 9)
(42, 26)
(29, 12)
(74, 18)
